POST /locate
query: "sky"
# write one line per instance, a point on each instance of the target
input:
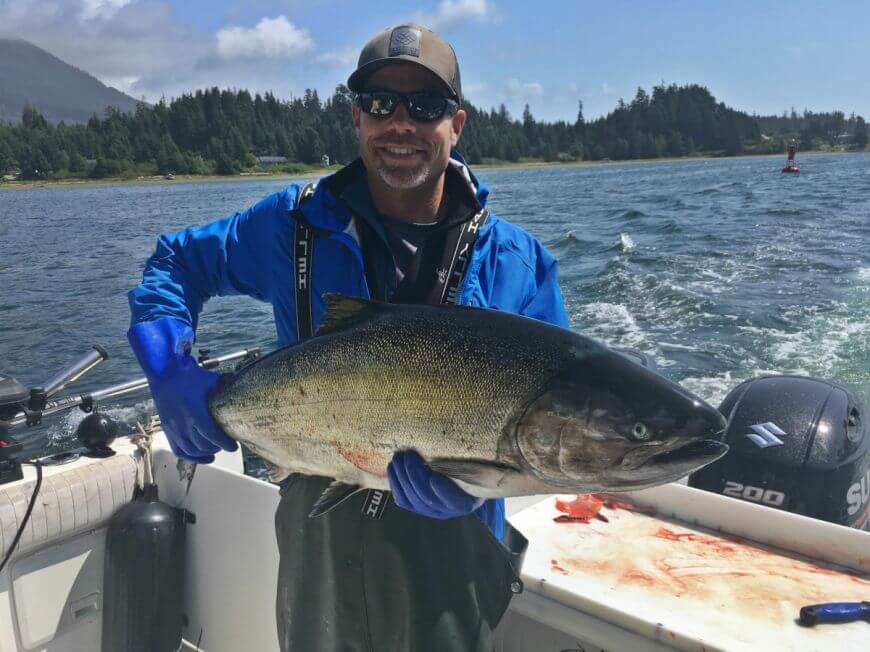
(758, 56)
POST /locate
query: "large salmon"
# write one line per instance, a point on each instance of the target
(502, 404)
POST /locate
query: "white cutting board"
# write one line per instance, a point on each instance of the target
(684, 585)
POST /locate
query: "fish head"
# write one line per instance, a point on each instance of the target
(606, 423)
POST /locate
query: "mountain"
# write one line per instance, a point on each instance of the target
(30, 75)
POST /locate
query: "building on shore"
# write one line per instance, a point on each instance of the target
(267, 161)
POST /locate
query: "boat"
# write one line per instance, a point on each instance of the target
(791, 165)
(674, 567)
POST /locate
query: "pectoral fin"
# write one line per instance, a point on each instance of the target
(333, 495)
(489, 475)
(276, 473)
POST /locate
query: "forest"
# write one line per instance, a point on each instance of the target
(227, 132)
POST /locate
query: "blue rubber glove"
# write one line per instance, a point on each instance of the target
(180, 388)
(417, 488)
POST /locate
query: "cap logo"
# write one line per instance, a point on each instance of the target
(405, 40)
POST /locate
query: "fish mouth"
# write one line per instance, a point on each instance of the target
(700, 453)
(665, 466)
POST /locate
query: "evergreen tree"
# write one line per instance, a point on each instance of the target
(309, 148)
(77, 162)
(225, 165)
(580, 126)
(860, 137)
(528, 124)
(283, 145)
(732, 138)
(32, 119)
(33, 163)
(60, 160)
(472, 154)
(209, 129)
(107, 167)
(6, 160)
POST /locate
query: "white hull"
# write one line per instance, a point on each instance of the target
(51, 592)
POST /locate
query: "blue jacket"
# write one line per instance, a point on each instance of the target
(251, 253)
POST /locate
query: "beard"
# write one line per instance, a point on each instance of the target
(403, 178)
(399, 176)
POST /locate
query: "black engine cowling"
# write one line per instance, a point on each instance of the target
(796, 443)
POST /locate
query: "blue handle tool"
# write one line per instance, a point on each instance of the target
(834, 612)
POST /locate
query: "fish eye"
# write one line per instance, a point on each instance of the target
(640, 431)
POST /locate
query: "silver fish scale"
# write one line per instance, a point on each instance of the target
(446, 388)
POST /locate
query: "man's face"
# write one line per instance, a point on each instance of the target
(405, 153)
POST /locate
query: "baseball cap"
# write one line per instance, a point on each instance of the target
(408, 43)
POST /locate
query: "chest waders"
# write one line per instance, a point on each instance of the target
(370, 576)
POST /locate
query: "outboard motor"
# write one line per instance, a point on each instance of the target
(796, 443)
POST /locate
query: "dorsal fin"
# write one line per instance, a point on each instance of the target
(342, 312)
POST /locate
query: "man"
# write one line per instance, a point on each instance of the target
(428, 567)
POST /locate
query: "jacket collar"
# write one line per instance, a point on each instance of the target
(341, 195)
(480, 191)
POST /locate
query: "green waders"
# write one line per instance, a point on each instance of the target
(400, 582)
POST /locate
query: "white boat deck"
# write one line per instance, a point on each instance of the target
(681, 582)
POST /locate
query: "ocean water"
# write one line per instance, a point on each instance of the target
(719, 270)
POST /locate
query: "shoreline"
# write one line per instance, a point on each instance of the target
(320, 171)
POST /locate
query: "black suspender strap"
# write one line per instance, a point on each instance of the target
(375, 503)
(303, 243)
(450, 276)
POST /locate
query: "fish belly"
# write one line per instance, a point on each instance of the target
(340, 406)
(347, 427)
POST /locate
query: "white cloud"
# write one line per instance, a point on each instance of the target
(518, 89)
(474, 88)
(599, 100)
(451, 12)
(102, 9)
(13, 13)
(271, 38)
(140, 39)
(125, 84)
(344, 58)
(142, 48)
(603, 90)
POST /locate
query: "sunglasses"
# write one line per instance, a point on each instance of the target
(422, 106)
